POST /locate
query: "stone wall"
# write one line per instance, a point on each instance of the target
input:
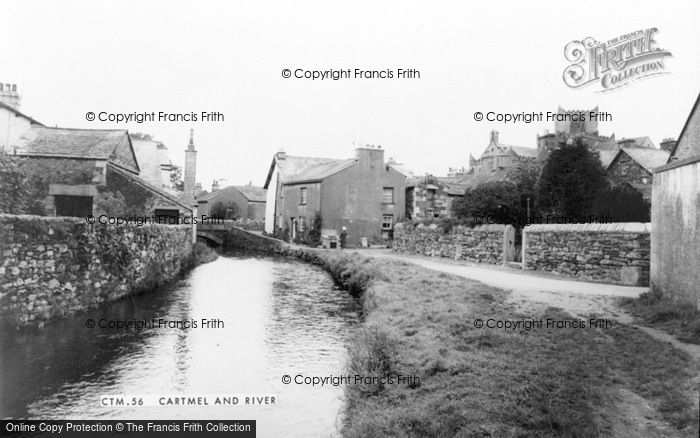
(482, 244)
(52, 267)
(611, 253)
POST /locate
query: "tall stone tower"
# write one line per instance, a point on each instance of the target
(190, 170)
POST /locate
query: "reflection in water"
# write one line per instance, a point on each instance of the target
(281, 317)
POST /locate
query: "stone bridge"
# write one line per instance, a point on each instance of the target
(228, 233)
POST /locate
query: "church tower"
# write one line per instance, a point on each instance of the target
(190, 170)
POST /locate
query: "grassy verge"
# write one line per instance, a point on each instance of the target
(493, 382)
(680, 320)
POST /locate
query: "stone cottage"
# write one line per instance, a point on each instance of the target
(81, 172)
(364, 194)
(249, 201)
(675, 218)
(634, 165)
(429, 197)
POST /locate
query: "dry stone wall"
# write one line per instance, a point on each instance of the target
(482, 244)
(52, 267)
(612, 253)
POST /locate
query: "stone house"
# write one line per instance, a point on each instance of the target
(364, 194)
(249, 201)
(76, 172)
(634, 166)
(675, 218)
(498, 156)
(430, 197)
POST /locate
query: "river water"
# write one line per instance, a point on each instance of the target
(280, 317)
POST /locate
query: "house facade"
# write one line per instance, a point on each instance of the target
(430, 197)
(364, 194)
(675, 218)
(154, 164)
(498, 156)
(249, 201)
(83, 172)
(634, 166)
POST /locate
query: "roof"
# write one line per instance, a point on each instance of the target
(19, 113)
(402, 169)
(647, 158)
(145, 184)
(251, 193)
(607, 157)
(295, 169)
(525, 152)
(303, 169)
(103, 144)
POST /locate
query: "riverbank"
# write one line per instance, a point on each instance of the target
(613, 380)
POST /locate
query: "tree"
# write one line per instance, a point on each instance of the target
(525, 176)
(494, 201)
(176, 178)
(225, 210)
(14, 191)
(571, 180)
(314, 237)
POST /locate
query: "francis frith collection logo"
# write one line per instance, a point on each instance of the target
(614, 63)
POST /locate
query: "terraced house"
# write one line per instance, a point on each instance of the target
(364, 194)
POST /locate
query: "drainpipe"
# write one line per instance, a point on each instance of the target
(523, 247)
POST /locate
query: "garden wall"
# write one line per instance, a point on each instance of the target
(612, 253)
(482, 244)
(52, 267)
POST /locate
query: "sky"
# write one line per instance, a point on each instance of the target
(74, 57)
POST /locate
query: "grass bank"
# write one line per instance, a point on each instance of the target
(587, 382)
(680, 320)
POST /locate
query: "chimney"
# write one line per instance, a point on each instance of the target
(281, 154)
(215, 185)
(10, 95)
(370, 156)
(668, 144)
(190, 169)
(198, 187)
(494, 137)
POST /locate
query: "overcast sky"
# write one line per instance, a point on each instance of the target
(71, 57)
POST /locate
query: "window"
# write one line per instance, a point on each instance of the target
(302, 196)
(645, 180)
(387, 222)
(302, 224)
(388, 195)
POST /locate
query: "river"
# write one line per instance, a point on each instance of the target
(279, 317)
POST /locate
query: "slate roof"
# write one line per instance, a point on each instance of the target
(525, 152)
(647, 158)
(251, 193)
(303, 169)
(607, 157)
(101, 144)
